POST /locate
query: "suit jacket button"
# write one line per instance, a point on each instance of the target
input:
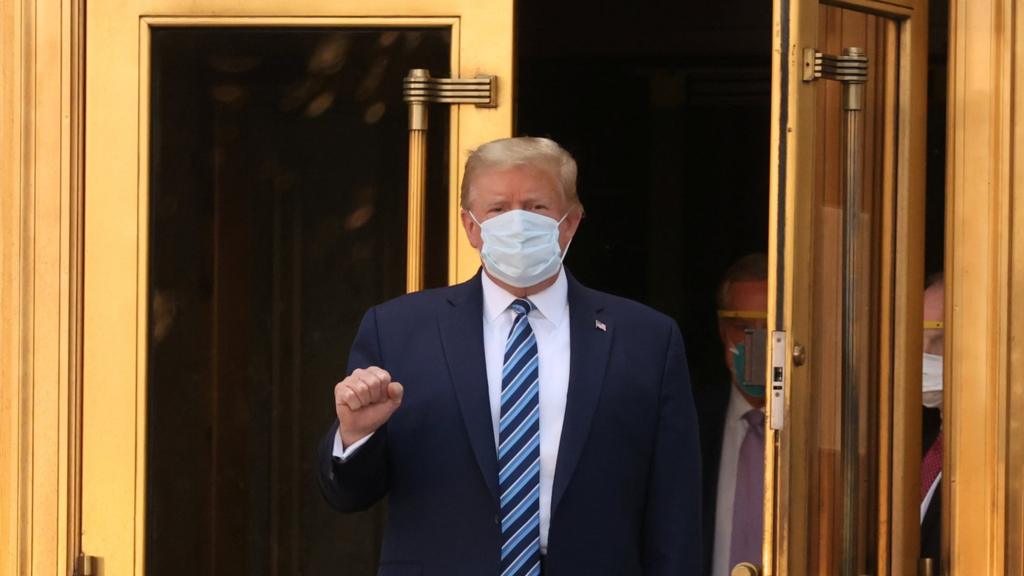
(497, 519)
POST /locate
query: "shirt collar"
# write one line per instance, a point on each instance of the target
(551, 302)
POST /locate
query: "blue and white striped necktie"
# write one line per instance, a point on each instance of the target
(519, 449)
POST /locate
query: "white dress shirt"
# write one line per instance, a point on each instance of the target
(930, 495)
(732, 438)
(550, 323)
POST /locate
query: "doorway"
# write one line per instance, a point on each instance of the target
(666, 107)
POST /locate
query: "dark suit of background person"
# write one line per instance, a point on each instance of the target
(931, 524)
(743, 290)
(626, 489)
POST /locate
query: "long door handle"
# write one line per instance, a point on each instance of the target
(419, 90)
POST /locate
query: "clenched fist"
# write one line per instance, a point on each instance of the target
(364, 401)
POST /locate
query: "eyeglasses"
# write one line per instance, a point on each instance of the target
(743, 314)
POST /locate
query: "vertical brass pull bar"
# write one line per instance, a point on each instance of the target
(853, 96)
(417, 185)
(852, 70)
(419, 90)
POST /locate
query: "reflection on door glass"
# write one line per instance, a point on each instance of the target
(844, 499)
(277, 216)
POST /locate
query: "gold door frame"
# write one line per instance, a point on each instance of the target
(117, 134)
(983, 503)
(42, 57)
(792, 177)
(99, 492)
(42, 54)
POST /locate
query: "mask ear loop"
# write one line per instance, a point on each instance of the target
(567, 244)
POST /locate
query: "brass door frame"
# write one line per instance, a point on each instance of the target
(984, 314)
(792, 176)
(42, 51)
(41, 216)
(117, 133)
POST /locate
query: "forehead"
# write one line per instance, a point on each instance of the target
(516, 183)
(748, 295)
(933, 300)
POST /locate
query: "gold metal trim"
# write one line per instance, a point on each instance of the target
(255, 20)
(982, 513)
(76, 265)
(417, 212)
(1014, 432)
(420, 89)
(13, 296)
(40, 321)
(745, 314)
(933, 325)
(852, 66)
(141, 339)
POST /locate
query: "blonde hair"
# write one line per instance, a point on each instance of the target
(542, 153)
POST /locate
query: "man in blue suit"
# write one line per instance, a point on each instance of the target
(520, 423)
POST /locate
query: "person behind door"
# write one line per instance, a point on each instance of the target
(520, 422)
(931, 418)
(733, 431)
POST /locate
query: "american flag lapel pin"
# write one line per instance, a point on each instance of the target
(600, 326)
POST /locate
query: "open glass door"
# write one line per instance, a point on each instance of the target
(253, 185)
(846, 236)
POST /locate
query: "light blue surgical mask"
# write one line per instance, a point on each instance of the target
(520, 247)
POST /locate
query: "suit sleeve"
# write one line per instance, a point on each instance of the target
(672, 526)
(363, 479)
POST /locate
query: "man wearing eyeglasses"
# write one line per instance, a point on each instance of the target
(732, 440)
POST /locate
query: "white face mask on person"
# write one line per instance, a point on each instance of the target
(520, 247)
(931, 381)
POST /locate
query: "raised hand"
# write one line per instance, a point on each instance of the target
(364, 402)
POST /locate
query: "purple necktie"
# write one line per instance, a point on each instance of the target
(748, 505)
(931, 466)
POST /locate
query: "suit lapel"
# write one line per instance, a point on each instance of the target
(463, 340)
(590, 338)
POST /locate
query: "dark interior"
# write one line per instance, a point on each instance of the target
(665, 106)
(277, 218)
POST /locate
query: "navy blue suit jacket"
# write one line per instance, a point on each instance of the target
(626, 496)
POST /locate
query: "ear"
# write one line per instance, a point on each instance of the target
(569, 226)
(472, 229)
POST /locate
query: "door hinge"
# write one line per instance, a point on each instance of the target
(86, 566)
